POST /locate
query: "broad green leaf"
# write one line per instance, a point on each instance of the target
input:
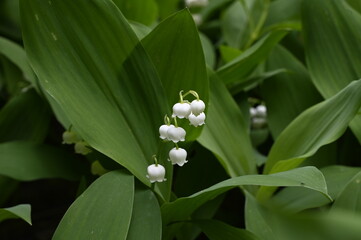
(176, 51)
(145, 12)
(299, 199)
(28, 161)
(317, 126)
(93, 66)
(24, 117)
(333, 57)
(22, 211)
(226, 132)
(182, 208)
(217, 230)
(208, 49)
(350, 198)
(284, 12)
(355, 4)
(146, 220)
(103, 211)
(242, 21)
(167, 7)
(139, 29)
(244, 64)
(16, 54)
(10, 19)
(286, 94)
(229, 53)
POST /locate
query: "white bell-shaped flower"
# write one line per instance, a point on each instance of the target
(70, 137)
(197, 120)
(178, 156)
(163, 131)
(258, 122)
(156, 173)
(253, 112)
(196, 3)
(261, 111)
(176, 134)
(82, 148)
(197, 107)
(181, 110)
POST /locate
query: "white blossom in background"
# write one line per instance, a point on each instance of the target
(197, 107)
(70, 137)
(178, 156)
(82, 147)
(176, 134)
(197, 18)
(196, 3)
(156, 173)
(197, 120)
(163, 131)
(181, 110)
(258, 116)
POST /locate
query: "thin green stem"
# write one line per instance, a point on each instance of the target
(175, 122)
(176, 146)
(155, 159)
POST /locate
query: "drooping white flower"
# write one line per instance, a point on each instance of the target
(178, 156)
(156, 173)
(70, 137)
(163, 131)
(181, 110)
(82, 147)
(261, 111)
(197, 107)
(253, 112)
(176, 134)
(258, 122)
(197, 120)
(196, 3)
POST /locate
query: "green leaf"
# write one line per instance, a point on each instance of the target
(93, 66)
(244, 64)
(28, 161)
(24, 117)
(167, 7)
(103, 211)
(333, 57)
(145, 12)
(226, 132)
(139, 29)
(242, 21)
(16, 54)
(286, 94)
(229, 53)
(176, 51)
(182, 208)
(145, 210)
(317, 126)
(350, 198)
(208, 49)
(22, 211)
(217, 230)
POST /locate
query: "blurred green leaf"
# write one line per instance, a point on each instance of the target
(103, 211)
(284, 13)
(286, 94)
(176, 51)
(93, 66)
(22, 211)
(244, 64)
(229, 53)
(242, 21)
(217, 230)
(24, 117)
(146, 219)
(208, 49)
(167, 7)
(182, 208)
(226, 132)
(333, 57)
(28, 161)
(145, 12)
(139, 29)
(317, 126)
(10, 19)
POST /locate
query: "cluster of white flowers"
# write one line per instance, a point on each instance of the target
(80, 146)
(258, 116)
(196, 3)
(194, 112)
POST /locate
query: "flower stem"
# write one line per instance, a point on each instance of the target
(155, 159)
(175, 122)
(176, 146)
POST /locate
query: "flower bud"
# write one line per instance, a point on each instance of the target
(70, 137)
(258, 122)
(163, 131)
(176, 134)
(197, 120)
(181, 110)
(178, 156)
(156, 173)
(82, 148)
(197, 107)
(261, 111)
